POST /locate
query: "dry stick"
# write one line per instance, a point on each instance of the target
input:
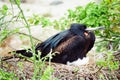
(94, 78)
(105, 75)
(29, 35)
(15, 56)
(10, 57)
(96, 71)
(99, 69)
(116, 53)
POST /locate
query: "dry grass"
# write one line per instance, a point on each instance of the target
(61, 71)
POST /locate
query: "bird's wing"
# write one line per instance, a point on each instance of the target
(72, 43)
(52, 42)
(70, 49)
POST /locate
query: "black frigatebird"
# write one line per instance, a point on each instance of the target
(69, 45)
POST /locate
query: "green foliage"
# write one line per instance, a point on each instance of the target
(5, 33)
(7, 75)
(41, 71)
(15, 1)
(3, 14)
(6, 18)
(61, 24)
(92, 15)
(108, 62)
(47, 74)
(37, 19)
(4, 10)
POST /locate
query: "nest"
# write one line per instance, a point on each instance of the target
(61, 71)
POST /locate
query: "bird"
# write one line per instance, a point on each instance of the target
(68, 46)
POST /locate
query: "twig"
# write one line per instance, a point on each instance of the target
(116, 53)
(94, 77)
(8, 57)
(29, 35)
(99, 69)
(105, 75)
(7, 22)
(16, 56)
(96, 71)
(12, 8)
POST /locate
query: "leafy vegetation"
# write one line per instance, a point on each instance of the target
(108, 62)
(37, 19)
(3, 23)
(7, 76)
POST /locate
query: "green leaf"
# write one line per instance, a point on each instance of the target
(82, 14)
(71, 14)
(47, 73)
(31, 20)
(4, 9)
(36, 22)
(17, 2)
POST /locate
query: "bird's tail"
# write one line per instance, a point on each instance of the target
(26, 53)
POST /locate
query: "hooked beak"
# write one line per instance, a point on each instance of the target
(97, 28)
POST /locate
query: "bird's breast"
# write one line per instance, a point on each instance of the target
(79, 61)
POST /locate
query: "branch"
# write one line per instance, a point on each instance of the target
(29, 35)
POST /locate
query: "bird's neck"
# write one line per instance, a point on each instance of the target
(86, 33)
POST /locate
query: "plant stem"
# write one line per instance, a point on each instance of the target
(31, 40)
(27, 26)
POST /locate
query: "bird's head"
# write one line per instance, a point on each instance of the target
(78, 26)
(84, 28)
